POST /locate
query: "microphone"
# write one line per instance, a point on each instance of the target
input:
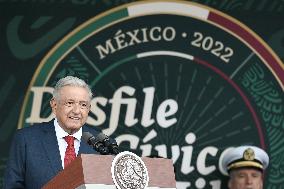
(95, 142)
(109, 143)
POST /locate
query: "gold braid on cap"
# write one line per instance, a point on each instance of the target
(245, 164)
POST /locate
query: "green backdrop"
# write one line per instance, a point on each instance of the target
(187, 85)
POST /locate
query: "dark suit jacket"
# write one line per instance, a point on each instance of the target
(35, 158)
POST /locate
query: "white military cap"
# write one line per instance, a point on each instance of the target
(245, 156)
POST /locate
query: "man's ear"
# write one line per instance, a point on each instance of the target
(261, 182)
(230, 183)
(53, 104)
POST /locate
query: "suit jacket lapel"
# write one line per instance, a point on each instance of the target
(51, 148)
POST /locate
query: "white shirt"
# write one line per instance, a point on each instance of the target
(62, 144)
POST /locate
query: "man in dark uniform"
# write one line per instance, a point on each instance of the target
(245, 166)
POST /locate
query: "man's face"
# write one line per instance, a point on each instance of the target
(245, 179)
(72, 108)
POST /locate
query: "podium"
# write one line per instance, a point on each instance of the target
(90, 171)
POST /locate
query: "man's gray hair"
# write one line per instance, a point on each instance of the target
(70, 81)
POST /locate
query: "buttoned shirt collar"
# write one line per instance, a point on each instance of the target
(60, 133)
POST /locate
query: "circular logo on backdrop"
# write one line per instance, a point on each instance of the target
(172, 79)
(129, 171)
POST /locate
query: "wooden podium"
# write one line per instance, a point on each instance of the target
(89, 171)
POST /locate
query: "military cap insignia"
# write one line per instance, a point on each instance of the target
(249, 154)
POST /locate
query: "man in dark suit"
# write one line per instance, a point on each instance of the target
(39, 152)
